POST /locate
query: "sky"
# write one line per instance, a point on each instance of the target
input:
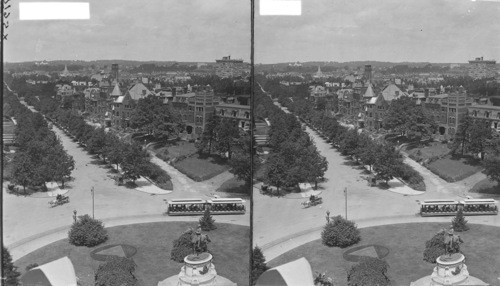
(159, 30)
(440, 31)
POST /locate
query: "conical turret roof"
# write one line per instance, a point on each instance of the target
(369, 91)
(116, 91)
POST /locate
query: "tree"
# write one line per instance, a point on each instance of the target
(113, 150)
(22, 170)
(9, 271)
(97, 142)
(259, 265)
(340, 232)
(183, 246)
(86, 231)
(226, 135)
(134, 162)
(277, 170)
(407, 118)
(435, 247)
(207, 223)
(388, 163)
(60, 164)
(154, 117)
(209, 135)
(462, 137)
(480, 135)
(314, 164)
(492, 168)
(459, 223)
(241, 161)
(350, 142)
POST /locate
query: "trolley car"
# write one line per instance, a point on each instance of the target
(196, 206)
(480, 207)
(226, 206)
(451, 207)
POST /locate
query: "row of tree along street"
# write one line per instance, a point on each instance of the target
(294, 158)
(41, 157)
(382, 158)
(130, 157)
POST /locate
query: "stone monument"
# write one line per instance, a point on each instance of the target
(450, 268)
(198, 269)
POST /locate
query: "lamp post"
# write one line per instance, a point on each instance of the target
(345, 194)
(92, 191)
(74, 215)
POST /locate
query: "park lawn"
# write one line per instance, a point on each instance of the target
(406, 244)
(201, 168)
(486, 186)
(234, 186)
(182, 148)
(432, 150)
(154, 242)
(452, 170)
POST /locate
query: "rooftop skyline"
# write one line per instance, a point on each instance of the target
(440, 31)
(154, 30)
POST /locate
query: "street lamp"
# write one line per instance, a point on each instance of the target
(92, 192)
(74, 215)
(345, 194)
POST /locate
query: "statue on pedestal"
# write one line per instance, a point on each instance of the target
(200, 241)
(452, 242)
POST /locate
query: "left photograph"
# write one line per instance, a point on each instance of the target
(127, 144)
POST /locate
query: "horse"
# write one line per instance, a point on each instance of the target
(200, 242)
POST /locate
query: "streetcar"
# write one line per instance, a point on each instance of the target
(186, 207)
(451, 207)
(226, 206)
(197, 206)
(479, 206)
(439, 207)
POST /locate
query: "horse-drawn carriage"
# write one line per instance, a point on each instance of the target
(313, 200)
(59, 200)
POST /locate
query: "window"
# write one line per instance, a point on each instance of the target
(200, 109)
(486, 114)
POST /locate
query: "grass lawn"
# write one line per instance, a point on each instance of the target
(169, 151)
(201, 168)
(153, 242)
(453, 170)
(433, 149)
(406, 244)
(486, 186)
(234, 186)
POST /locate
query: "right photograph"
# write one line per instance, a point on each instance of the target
(377, 135)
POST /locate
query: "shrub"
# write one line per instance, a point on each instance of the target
(87, 231)
(434, 247)
(182, 247)
(459, 223)
(31, 266)
(207, 223)
(369, 272)
(259, 265)
(340, 232)
(117, 271)
(9, 270)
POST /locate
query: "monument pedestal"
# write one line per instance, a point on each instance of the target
(450, 270)
(198, 270)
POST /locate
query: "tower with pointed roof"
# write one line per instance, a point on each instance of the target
(65, 71)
